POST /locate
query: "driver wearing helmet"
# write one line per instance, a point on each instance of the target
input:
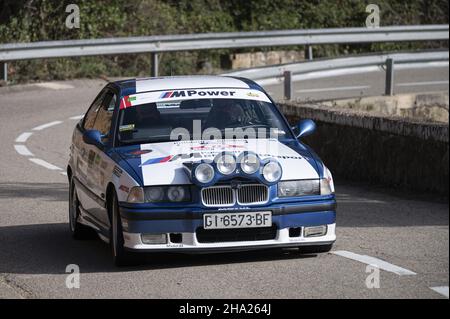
(147, 115)
(225, 113)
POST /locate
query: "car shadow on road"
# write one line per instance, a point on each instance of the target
(40, 191)
(49, 248)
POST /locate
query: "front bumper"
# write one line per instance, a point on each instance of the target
(186, 221)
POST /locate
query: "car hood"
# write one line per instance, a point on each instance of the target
(162, 163)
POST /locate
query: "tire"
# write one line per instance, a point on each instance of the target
(121, 257)
(78, 231)
(315, 249)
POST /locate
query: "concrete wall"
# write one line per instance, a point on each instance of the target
(397, 152)
(256, 59)
(433, 107)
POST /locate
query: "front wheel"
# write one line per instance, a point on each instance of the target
(121, 257)
(315, 249)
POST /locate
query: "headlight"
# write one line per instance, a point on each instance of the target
(226, 164)
(176, 193)
(250, 163)
(136, 195)
(326, 187)
(299, 188)
(272, 172)
(204, 173)
(157, 194)
(154, 194)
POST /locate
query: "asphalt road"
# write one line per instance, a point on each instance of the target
(365, 82)
(405, 230)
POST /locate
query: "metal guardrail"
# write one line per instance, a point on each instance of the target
(288, 73)
(208, 41)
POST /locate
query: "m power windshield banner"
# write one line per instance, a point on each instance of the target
(179, 95)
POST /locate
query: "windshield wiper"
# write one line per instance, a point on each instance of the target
(254, 126)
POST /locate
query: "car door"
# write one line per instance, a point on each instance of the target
(84, 156)
(99, 165)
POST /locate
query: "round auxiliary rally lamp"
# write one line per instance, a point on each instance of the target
(226, 166)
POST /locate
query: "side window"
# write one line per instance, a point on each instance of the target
(91, 114)
(105, 113)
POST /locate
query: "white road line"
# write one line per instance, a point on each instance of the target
(78, 117)
(46, 125)
(22, 138)
(374, 261)
(443, 290)
(23, 150)
(342, 88)
(45, 164)
(421, 83)
(64, 173)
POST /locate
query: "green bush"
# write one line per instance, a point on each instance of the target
(43, 20)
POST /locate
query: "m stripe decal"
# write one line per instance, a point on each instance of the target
(166, 95)
(157, 160)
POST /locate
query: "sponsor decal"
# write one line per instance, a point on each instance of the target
(168, 105)
(209, 142)
(97, 159)
(174, 245)
(233, 208)
(128, 127)
(202, 155)
(215, 147)
(117, 171)
(138, 153)
(194, 93)
(251, 94)
(123, 188)
(91, 158)
(103, 164)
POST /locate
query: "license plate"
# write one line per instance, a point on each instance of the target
(237, 220)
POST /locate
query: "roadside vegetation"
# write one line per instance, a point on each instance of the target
(41, 20)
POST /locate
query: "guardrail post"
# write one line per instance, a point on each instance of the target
(287, 85)
(155, 64)
(4, 71)
(389, 77)
(309, 53)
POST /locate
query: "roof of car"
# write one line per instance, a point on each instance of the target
(184, 82)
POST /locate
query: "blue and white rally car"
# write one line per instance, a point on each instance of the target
(198, 163)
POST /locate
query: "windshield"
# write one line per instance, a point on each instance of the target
(200, 119)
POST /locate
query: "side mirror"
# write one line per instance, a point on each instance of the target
(93, 137)
(305, 128)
